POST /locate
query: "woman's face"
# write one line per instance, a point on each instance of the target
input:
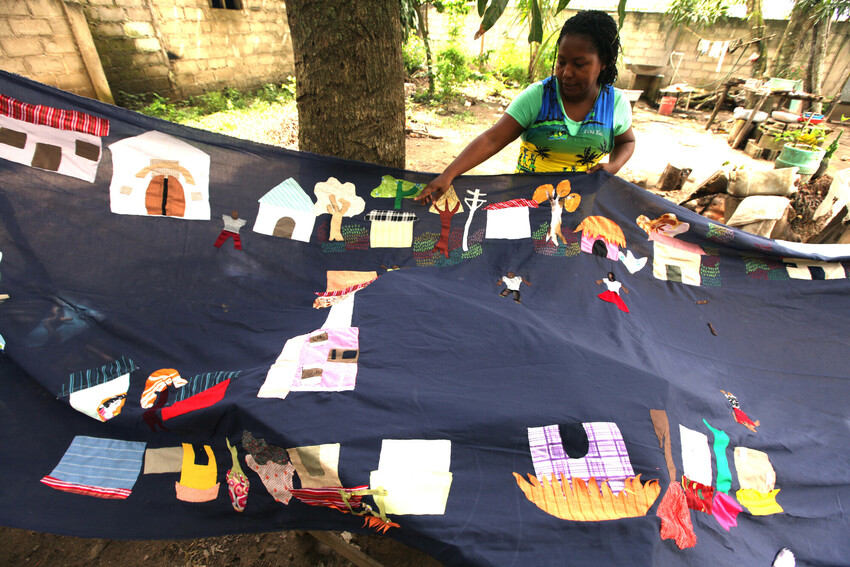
(577, 68)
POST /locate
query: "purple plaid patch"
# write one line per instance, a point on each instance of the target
(606, 459)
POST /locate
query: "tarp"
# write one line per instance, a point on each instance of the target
(539, 370)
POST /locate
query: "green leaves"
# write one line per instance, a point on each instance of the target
(535, 30)
(491, 15)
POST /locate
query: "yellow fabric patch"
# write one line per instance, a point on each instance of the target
(391, 234)
(759, 503)
(201, 477)
(588, 502)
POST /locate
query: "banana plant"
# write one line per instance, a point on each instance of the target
(491, 10)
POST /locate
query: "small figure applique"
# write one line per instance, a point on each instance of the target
(512, 283)
(612, 294)
(739, 415)
(232, 224)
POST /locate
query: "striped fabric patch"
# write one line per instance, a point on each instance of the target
(105, 468)
(290, 195)
(330, 496)
(55, 117)
(512, 203)
(100, 492)
(391, 216)
(344, 292)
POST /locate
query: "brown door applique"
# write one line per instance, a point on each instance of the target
(47, 156)
(284, 227)
(165, 197)
(13, 138)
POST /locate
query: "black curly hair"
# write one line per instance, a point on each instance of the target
(601, 29)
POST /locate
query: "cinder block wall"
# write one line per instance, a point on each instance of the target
(36, 42)
(175, 48)
(186, 47)
(650, 37)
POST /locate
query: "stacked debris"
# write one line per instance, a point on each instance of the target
(775, 204)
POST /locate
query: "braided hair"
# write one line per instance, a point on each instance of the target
(601, 30)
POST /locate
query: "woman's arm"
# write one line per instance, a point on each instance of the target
(624, 147)
(484, 146)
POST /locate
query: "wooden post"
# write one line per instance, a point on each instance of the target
(673, 177)
(743, 133)
(82, 37)
(720, 100)
(345, 549)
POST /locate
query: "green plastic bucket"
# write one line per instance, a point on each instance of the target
(807, 160)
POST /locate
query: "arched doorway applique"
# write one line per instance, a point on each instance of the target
(284, 227)
(155, 174)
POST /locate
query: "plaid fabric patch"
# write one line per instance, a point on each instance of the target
(57, 118)
(391, 216)
(606, 459)
(512, 203)
(328, 496)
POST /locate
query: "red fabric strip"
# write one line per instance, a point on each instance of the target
(99, 492)
(205, 399)
(54, 117)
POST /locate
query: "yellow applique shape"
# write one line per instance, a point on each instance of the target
(759, 503)
(582, 501)
(201, 477)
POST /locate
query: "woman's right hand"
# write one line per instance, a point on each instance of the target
(434, 190)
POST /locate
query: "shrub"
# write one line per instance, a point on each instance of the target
(413, 52)
(452, 70)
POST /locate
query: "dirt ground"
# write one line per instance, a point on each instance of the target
(434, 139)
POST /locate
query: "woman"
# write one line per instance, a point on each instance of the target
(568, 121)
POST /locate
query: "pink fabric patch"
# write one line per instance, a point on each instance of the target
(725, 509)
(335, 374)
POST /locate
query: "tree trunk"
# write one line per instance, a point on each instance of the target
(422, 13)
(754, 10)
(820, 34)
(350, 78)
(797, 26)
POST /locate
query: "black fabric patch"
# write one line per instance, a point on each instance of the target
(574, 439)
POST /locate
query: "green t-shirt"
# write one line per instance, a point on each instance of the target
(552, 141)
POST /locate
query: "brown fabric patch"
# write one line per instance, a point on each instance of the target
(87, 151)
(343, 355)
(47, 156)
(13, 138)
(321, 337)
(662, 431)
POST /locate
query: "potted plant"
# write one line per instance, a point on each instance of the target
(830, 151)
(803, 149)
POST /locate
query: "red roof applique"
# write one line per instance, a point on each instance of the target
(54, 117)
(511, 204)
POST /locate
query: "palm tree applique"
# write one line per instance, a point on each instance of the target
(589, 156)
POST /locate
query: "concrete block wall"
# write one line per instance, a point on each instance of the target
(647, 38)
(650, 37)
(175, 48)
(36, 42)
(188, 47)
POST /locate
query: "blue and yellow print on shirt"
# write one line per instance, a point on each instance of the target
(553, 142)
